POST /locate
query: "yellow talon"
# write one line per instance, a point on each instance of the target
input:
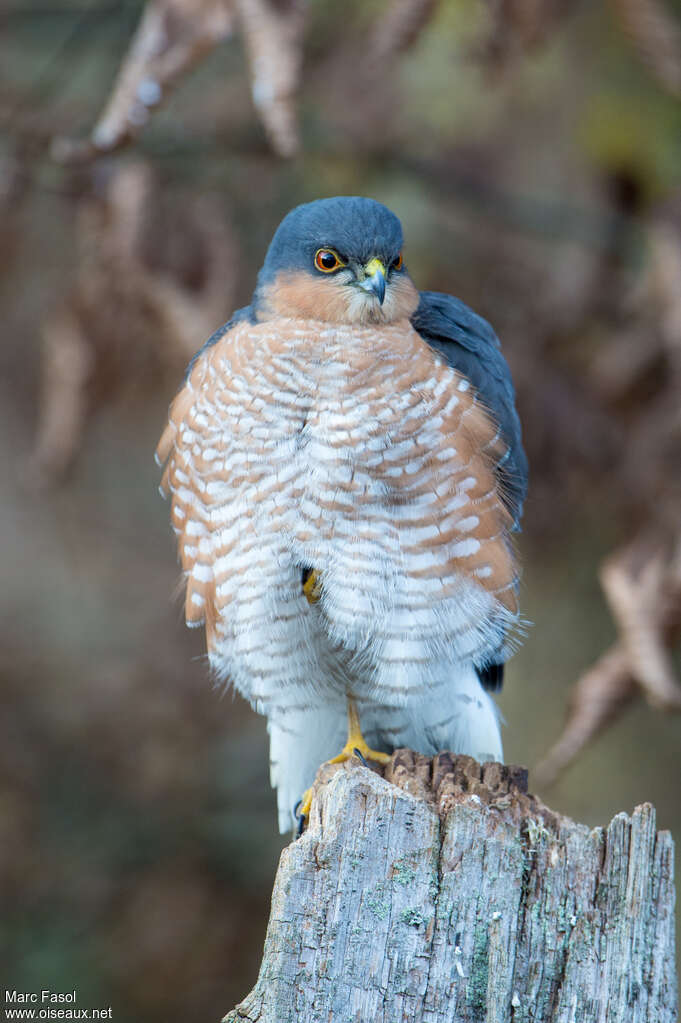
(303, 809)
(356, 744)
(312, 585)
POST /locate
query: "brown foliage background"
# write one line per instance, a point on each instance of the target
(533, 151)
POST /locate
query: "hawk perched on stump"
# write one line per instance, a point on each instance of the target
(346, 470)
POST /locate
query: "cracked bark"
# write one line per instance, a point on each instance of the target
(445, 892)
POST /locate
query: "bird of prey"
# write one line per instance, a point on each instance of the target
(346, 471)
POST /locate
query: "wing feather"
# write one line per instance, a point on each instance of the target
(469, 344)
(183, 481)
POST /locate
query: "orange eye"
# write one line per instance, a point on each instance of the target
(327, 260)
(397, 263)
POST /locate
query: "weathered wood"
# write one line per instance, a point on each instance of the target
(446, 893)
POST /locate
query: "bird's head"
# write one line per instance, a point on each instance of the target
(338, 260)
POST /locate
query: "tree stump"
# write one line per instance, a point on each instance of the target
(444, 892)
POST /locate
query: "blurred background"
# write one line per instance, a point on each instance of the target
(532, 149)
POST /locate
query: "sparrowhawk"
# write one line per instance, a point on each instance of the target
(346, 471)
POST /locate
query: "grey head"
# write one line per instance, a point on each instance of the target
(359, 231)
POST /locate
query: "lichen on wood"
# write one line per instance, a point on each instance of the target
(444, 892)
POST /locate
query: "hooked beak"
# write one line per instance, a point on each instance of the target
(374, 281)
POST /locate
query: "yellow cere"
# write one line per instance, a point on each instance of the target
(374, 266)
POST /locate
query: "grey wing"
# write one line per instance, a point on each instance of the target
(469, 344)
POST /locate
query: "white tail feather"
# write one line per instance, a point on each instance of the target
(460, 717)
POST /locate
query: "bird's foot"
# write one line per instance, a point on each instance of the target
(312, 585)
(301, 811)
(356, 746)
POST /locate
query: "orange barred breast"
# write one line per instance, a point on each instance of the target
(334, 429)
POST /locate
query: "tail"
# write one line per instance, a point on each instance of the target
(459, 716)
(300, 742)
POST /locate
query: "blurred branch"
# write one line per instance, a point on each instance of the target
(67, 367)
(516, 27)
(51, 78)
(400, 26)
(137, 304)
(273, 37)
(642, 585)
(171, 37)
(656, 35)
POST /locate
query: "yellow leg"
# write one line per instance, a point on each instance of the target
(302, 811)
(356, 744)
